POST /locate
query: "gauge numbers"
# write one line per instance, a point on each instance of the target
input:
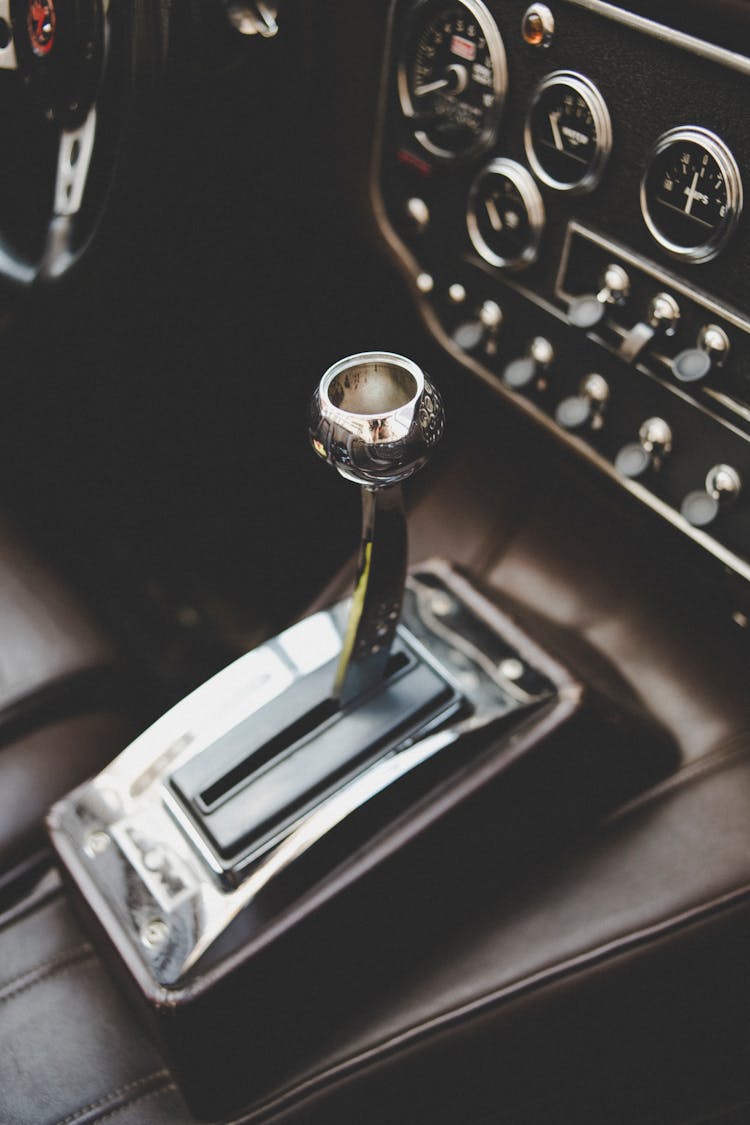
(691, 193)
(452, 78)
(568, 134)
(505, 215)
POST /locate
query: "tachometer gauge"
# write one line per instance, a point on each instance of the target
(568, 134)
(453, 77)
(691, 193)
(505, 215)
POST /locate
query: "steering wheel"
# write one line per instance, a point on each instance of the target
(63, 69)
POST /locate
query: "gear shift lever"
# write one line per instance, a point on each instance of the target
(375, 417)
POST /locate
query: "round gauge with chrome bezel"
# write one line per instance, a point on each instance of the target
(452, 77)
(568, 132)
(505, 215)
(691, 193)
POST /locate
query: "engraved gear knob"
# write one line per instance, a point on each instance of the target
(375, 417)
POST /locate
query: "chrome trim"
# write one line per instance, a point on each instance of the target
(668, 35)
(159, 867)
(722, 154)
(496, 48)
(531, 198)
(597, 107)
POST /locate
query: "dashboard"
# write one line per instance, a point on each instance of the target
(564, 192)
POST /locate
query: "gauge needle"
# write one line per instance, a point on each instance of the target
(429, 87)
(691, 194)
(556, 134)
(493, 214)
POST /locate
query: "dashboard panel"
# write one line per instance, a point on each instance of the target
(564, 191)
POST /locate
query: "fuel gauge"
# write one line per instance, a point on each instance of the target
(568, 134)
(505, 215)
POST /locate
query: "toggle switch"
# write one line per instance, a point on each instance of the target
(585, 409)
(481, 332)
(723, 486)
(693, 364)
(653, 445)
(522, 371)
(663, 315)
(587, 310)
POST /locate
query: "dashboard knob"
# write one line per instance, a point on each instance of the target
(587, 407)
(723, 485)
(481, 332)
(692, 364)
(615, 283)
(522, 371)
(653, 445)
(587, 310)
(663, 315)
(418, 214)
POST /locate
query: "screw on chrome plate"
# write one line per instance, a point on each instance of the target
(154, 933)
(97, 843)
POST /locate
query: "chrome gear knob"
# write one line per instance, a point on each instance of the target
(375, 417)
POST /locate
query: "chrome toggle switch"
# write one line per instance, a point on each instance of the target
(586, 409)
(653, 445)
(723, 486)
(375, 417)
(587, 310)
(663, 315)
(693, 364)
(527, 368)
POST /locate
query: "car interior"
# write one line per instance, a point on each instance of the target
(375, 562)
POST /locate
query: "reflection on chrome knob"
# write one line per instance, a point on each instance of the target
(615, 288)
(723, 483)
(375, 417)
(663, 313)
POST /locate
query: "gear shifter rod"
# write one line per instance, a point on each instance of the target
(375, 417)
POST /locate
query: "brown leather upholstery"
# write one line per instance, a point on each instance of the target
(57, 723)
(39, 767)
(46, 637)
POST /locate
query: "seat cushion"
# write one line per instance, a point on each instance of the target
(38, 768)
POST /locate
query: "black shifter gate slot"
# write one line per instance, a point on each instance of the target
(266, 772)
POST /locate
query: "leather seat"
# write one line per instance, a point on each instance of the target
(61, 702)
(608, 985)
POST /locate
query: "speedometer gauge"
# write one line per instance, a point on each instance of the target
(691, 193)
(453, 77)
(568, 133)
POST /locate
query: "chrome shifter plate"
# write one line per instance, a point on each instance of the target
(155, 884)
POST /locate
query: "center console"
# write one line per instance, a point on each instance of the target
(255, 857)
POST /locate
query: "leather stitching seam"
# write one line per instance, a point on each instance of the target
(44, 970)
(107, 1100)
